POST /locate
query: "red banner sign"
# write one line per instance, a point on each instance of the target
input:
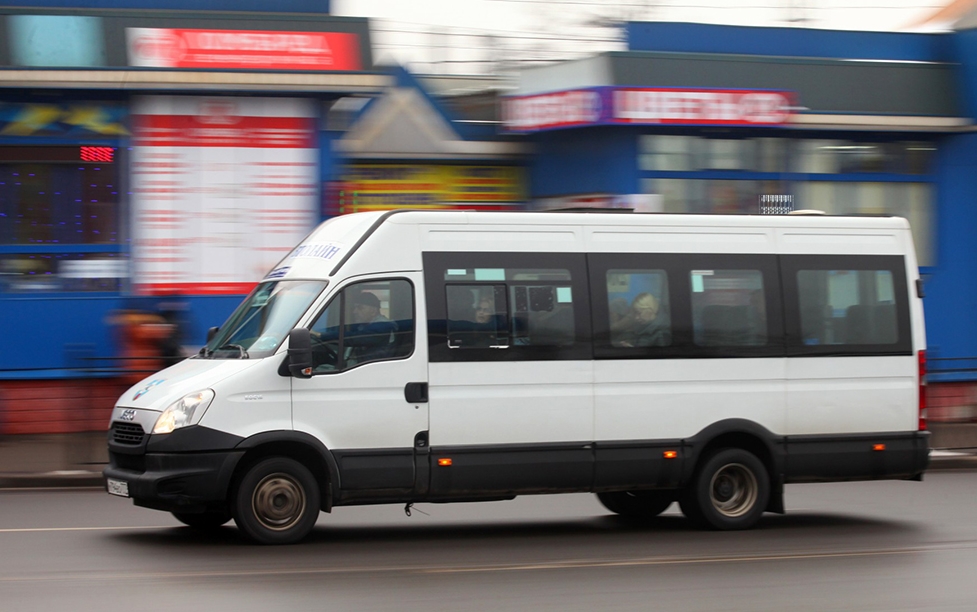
(711, 106)
(249, 49)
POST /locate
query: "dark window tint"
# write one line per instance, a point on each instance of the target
(847, 307)
(526, 307)
(477, 316)
(507, 306)
(369, 321)
(728, 308)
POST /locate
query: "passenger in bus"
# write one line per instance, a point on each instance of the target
(641, 326)
(485, 313)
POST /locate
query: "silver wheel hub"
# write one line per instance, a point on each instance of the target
(278, 502)
(733, 490)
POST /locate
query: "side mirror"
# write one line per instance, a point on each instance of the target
(300, 353)
(211, 333)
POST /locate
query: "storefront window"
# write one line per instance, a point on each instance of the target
(851, 156)
(58, 203)
(777, 166)
(52, 272)
(667, 153)
(712, 196)
(914, 201)
(727, 154)
(66, 199)
(772, 154)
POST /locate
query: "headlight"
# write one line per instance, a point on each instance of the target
(186, 411)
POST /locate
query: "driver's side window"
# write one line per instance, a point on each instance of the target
(368, 321)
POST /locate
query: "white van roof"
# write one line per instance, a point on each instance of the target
(396, 239)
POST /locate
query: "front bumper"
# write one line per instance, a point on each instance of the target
(183, 482)
(188, 470)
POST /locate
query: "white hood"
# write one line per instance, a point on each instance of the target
(161, 389)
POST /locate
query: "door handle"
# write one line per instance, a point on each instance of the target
(416, 393)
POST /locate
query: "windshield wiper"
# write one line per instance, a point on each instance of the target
(203, 352)
(243, 355)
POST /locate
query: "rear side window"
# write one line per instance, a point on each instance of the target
(507, 306)
(685, 305)
(728, 308)
(847, 305)
(513, 306)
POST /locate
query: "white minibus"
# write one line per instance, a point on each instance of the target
(438, 356)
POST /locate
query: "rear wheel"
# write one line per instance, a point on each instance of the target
(729, 491)
(637, 504)
(204, 521)
(276, 501)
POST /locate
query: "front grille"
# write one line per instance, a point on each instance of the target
(130, 434)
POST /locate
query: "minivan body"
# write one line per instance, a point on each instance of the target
(441, 356)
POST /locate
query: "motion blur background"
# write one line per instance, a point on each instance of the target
(158, 157)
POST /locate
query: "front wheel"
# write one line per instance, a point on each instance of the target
(637, 504)
(729, 491)
(276, 501)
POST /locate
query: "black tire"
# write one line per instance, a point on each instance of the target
(276, 501)
(730, 490)
(637, 504)
(203, 521)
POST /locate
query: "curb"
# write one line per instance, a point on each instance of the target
(940, 461)
(52, 480)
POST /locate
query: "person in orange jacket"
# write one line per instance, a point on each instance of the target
(142, 335)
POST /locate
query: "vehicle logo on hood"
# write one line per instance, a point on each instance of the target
(146, 389)
(127, 415)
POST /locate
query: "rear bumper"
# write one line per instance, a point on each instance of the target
(857, 457)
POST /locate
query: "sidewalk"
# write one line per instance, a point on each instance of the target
(76, 460)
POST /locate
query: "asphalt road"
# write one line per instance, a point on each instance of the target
(851, 546)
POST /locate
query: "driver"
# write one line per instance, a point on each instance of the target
(372, 335)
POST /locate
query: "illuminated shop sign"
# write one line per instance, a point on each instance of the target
(388, 186)
(647, 106)
(246, 49)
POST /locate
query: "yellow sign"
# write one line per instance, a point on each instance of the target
(390, 186)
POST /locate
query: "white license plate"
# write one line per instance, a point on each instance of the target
(118, 487)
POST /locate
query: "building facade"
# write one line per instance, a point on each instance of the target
(707, 119)
(158, 158)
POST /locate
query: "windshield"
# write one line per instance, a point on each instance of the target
(261, 322)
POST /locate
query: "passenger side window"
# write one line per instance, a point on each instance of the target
(639, 313)
(503, 307)
(368, 321)
(847, 307)
(728, 308)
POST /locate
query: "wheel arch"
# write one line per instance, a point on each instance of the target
(296, 445)
(738, 433)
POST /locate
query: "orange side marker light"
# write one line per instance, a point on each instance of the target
(444, 461)
(670, 454)
(878, 447)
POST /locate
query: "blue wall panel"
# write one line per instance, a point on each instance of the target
(951, 289)
(43, 336)
(965, 45)
(54, 337)
(582, 161)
